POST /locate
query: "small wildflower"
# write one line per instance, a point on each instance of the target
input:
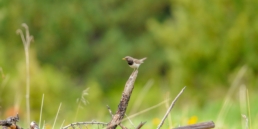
(156, 121)
(47, 126)
(193, 120)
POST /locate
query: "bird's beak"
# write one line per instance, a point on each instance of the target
(123, 58)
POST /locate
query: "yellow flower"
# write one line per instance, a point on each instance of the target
(156, 121)
(193, 120)
(47, 126)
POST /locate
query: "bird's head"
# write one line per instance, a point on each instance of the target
(128, 58)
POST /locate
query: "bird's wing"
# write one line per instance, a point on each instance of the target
(140, 60)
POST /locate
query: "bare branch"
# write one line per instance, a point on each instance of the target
(116, 120)
(140, 125)
(203, 125)
(10, 122)
(85, 123)
(170, 108)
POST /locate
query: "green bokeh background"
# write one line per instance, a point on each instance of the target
(79, 44)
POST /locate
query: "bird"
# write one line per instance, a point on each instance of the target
(134, 63)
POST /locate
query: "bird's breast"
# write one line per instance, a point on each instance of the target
(134, 65)
(130, 62)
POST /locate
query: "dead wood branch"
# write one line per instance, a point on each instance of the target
(116, 120)
(110, 112)
(140, 125)
(170, 108)
(203, 125)
(10, 122)
(84, 123)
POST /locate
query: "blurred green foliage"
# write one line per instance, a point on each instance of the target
(79, 44)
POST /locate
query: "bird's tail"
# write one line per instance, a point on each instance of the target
(143, 59)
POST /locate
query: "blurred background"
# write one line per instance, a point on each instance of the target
(76, 59)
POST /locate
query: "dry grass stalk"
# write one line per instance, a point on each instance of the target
(40, 116)
(249, 110)
(233, 87)
(170, 108)
(246, 121)
(140, 96)
(57, 115)
(26, 40)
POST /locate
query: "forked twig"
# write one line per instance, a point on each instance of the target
(170, 108)
(110, 112)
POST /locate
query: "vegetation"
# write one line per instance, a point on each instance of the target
(209, 46)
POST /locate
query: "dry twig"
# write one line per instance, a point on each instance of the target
(203, 125)
(140, 125)
(85, 123)
(10, 122)
(170, 108)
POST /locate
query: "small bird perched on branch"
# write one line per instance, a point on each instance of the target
(134, 63)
